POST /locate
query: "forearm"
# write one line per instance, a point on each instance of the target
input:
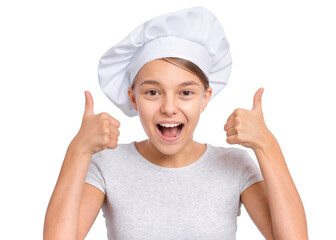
(61, 221)
(287, 212)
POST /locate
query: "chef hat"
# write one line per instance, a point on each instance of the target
(193, 34)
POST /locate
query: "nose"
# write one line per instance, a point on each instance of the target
(169, 105)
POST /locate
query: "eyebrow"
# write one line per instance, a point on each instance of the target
(188, 83)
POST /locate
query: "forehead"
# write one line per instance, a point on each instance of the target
(164, 73)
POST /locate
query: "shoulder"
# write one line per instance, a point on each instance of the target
(121, 149)
(228, 153)
(231, 158)
(113, 156)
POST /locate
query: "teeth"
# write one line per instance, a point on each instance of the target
(167, 125)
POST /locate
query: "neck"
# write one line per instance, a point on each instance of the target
(190, 153)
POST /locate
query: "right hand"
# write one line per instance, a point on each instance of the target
(98, 131)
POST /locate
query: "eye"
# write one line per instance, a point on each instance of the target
(187, 93)
(152, 92)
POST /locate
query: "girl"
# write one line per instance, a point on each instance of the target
(170, 186)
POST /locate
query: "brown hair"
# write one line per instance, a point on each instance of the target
(188, 66)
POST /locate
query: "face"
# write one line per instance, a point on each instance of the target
(169, 101)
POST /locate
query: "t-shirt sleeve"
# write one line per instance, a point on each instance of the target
(250, 173)
(94, 175)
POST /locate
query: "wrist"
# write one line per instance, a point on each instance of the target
(269, 143)
(270, 157)
(78, 147)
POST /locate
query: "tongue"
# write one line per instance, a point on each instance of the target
(169, 132)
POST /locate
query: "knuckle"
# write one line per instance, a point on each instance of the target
(238, 127)
(105, 130)
(231, 132)
(101, 146)
(105, 122)
(230, 140)
(113, 137)
(237, 111)
(117, 123)
(106, 139)
(226, 127)
(239, 137)
(113, 144)
(104, 115)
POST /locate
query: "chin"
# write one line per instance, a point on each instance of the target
(170, 148)
(169, 144)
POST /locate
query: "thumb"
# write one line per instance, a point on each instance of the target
(88, 105)
(257, 100)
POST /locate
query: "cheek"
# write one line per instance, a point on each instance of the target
(192, 110)
(146, 107)
(146, 111)
(146, 122)
(194, 105)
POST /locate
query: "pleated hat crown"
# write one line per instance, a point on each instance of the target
(193, 34)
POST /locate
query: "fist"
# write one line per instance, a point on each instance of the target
(247, 127)
(98, 131)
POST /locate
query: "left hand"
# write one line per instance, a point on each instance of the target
(247, 127)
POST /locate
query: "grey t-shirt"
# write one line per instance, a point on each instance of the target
(145, 201)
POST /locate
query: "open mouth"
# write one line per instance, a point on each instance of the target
(170, 130)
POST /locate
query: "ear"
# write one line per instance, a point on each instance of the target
(206, 98)
(131, 96)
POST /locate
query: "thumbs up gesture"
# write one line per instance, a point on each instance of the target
(98, 131)
(247, 127)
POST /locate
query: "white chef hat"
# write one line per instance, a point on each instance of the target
(193, 34)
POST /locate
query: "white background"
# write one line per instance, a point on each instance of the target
(49, 54)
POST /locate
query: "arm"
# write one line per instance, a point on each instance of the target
(62, 216)
(256, 204)
(288, 216)
(74, 205)
(279, 194)
(92, 200)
